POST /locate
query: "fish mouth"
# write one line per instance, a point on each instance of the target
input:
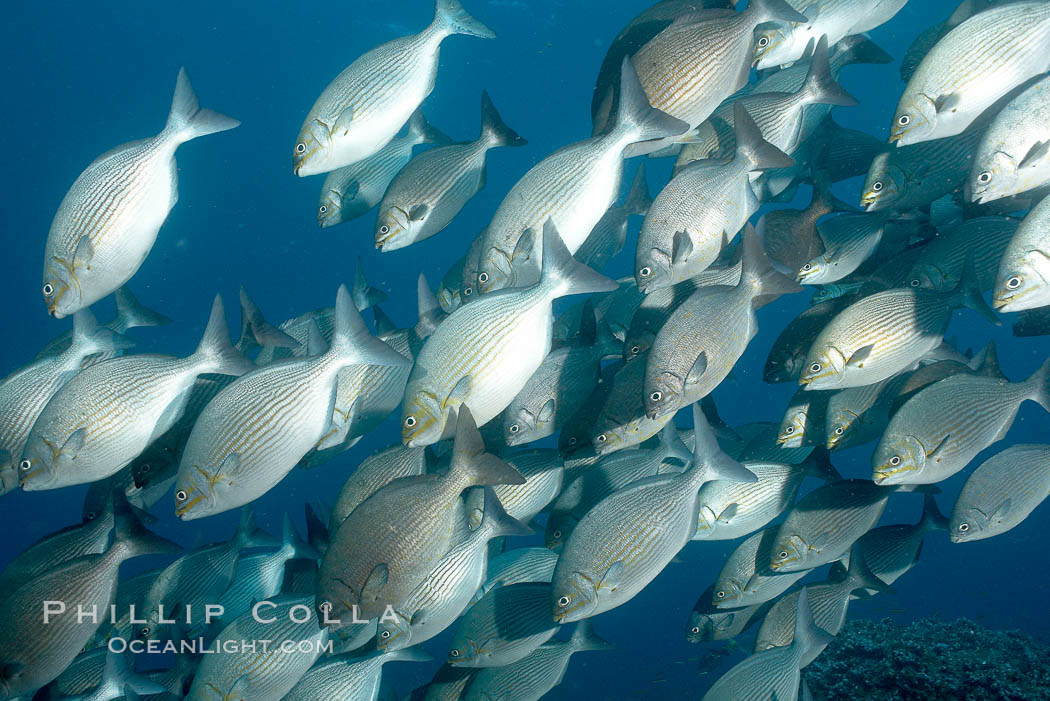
(882, 475)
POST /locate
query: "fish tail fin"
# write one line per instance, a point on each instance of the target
(89, 338)
(1039, 383)
(818, 464)
(860, 575)
(636, 116)
(584, 638)
(187, 120)
(255, 330)
(564, 273)
(430, 312)
(423, 132)
(823, 199)
(493, 129)
(215, 353)
(758, 271)
(807, 636)
(775, 10)
(118, 674)
(986, 363)
(364, 294)
(638, 198)
(820, 85)
(859, 48)
(131, 313)
(132, 536)
(751, 146)
(296, 546)
(606, 339)
(709, 459)
(317, 532)
(471, 465)
(249, 535)
(932, 518)
(451, 18)
(968, 293)
(354, 342)
(497, 521)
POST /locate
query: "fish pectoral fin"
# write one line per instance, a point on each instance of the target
(229, 467)
(1003, 509)
(375, 583)
(547, 411)
(239, 690)
(859, 356)
(84, 253)
(418, 212)
(459, 393)
(339, 426)
(935, 454)
(728, 513)
(11, 670)
(350, 191)
(612, 578)
(946, 103)
(819, 543)
(681, 248)
(1039, 151)
(344, 119)
(698, 369)
(73, 444)
(419, 618)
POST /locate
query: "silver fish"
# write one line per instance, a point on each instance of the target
(774, 673)
(534, 564)
(108, 221)
(116, 677)
(350, 676)
(1024, 270)
(708, 623)
(609, 235)
(543, 471)
(375, 472)
(573, 188)
(431, 190)
(408, 526)
(941, 429)
(130, 314)
(484, 353)
(1001, 493)
(959, 79)
(506, 625)
(238, 672)
(803, 422)
(787, 357)
(366, 105)
(618, 419)
(107, 415)
(940, 262)
(857, 415)
(701, 209)
(615, 551)
(746, 578)
(351, 191)
(289, 409)
(1012, 155)
(530, 679)
(849, 240)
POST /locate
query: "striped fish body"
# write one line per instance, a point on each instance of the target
(573, 187)
(254, 432)
(543, 471)
(105, 417)
(622, 419)
(857, 415)
(130, 591)
(1011, 157)
(890, 551)
(261, 674)
(849, 241)
(940, 262)
(518, 565)
(941, 429)
(348, 677)
(900, 326)
(771, 674)
(637, 530)
(823, 525)
(786, 42)
(787, 357)
(505, 626)
(827, 601)
(368, 103)
(255, 578)
(707, 623)
(717, 322)
(754, 504)
(442, 180)
(83, 674)
(88, 538)
(1021, 281)
(606, 239)
(498, 342)
(1001, 493)
(46, 650)
(746, 579)
(710, 202)
(803, 422)
(374, 472)
(970, 68)
(119, 203)
(528, 679)
(351, 191)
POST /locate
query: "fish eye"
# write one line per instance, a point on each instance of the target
(300, 148)
(25, 465)
(144, 632)
(563, 601)
(323, 208)
(904, 120)
(656, 396)
(325, 606)
(483, 278)
(180, 495)
(789, 430)
(783, 554)
(384, 229)
(696, 629)
(90, 515)
(635, 350)
(895, 460)
(468, 291)
(602, 438)
(410, 421)
(454, 653)
(985, 177)
(49, 289)
(385, 634)
(807, 266)
(914, 282)
(964, 527)
(839, 430)
(646, 271)
(572, 440)
(815, 367)
(721, 595)
(514, 428)
(763, 42)
(145, 468)
(1013, 283)
(877, 186)
(556, 534)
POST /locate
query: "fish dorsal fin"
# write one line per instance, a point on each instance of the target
(860, 355)
(418, 212)
(375, 583)
(613, 576)
(1038, 152)
(681, 248)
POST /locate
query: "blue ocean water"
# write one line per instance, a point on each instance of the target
(83, 77)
